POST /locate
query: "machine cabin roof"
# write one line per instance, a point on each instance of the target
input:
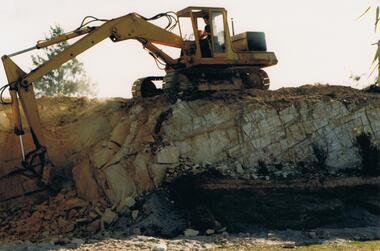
(201, 10)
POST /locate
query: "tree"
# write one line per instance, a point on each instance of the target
(70, 79)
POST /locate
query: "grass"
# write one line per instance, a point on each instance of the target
(342, 246)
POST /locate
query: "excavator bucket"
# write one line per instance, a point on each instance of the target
(33, 175)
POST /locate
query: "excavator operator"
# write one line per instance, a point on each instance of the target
(205, 38)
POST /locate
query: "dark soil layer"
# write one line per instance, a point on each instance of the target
(247, 210)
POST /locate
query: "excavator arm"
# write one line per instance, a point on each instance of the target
(131, 26)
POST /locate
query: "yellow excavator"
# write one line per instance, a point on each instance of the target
(210, 60)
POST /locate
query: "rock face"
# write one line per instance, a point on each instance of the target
(118, 149)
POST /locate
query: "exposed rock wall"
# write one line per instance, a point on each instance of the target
(119, 149)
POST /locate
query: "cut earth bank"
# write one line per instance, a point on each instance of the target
(128, 163)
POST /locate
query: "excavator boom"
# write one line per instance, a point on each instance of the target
(131, 26)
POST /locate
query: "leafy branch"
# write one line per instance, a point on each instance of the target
(376, 59)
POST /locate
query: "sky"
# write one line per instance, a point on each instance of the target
(315, 41)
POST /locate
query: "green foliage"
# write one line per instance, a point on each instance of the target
(70, 79)
(377, 54)
(377, 13)
(376, 59)
(365, 12)
(328, 245)
(377, 18)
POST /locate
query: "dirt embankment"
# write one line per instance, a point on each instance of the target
(113, 153)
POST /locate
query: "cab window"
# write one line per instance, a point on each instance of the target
(218, 32)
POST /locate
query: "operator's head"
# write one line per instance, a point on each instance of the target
(206, 18)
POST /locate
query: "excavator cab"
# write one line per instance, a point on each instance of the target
(209, 37)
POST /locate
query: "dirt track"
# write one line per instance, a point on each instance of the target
(280, 239)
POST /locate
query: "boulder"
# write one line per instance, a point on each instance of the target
(75, 203)
(190, 232)
(85, 183)
(109, 216)
(168, 155)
